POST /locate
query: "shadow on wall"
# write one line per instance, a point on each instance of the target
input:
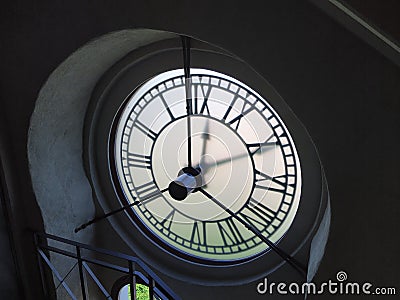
(55, 146)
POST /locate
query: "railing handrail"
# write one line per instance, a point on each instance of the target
(161, 286)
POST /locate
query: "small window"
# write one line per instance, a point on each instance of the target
(142, 292)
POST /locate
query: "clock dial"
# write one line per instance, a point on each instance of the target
(241, 153)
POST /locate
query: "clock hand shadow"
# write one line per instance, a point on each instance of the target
(204, 165)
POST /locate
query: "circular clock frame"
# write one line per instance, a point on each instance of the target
(117, 85)
(153, 166)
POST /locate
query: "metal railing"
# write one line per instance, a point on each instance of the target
(132, 267)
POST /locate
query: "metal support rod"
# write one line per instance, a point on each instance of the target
(105, 216)
(81, 275)
(66, 275)
(96, 280)
(302, 270)
(58, 276)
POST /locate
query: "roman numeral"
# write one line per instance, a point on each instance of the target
(280, 180)
(196, 236)
(148, 190)
(168, 220)
(146, 130)
(230, 107)
(205, 106)
(230, 233)
(195, 99)
(243, 112)
(257, 214)
(206, 96)
(138, 160)
(255, 147)
(171, 115)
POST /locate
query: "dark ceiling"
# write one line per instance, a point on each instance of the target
(382, 14)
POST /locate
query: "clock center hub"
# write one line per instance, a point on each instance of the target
(188, 180)
(221, 164)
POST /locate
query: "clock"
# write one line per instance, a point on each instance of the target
(215, 179)
(241, 153)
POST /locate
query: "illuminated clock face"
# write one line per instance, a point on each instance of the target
(196, 180)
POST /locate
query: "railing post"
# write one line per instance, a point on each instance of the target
(81, 276)
(151, 288)
(132, 280)
(41, 270)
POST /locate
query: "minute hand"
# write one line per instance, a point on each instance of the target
(188, 92)
(290, 260)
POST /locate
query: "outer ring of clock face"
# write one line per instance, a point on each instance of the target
(106, 107)
(247, 156)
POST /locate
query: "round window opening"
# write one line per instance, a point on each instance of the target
(195, 180)
(214, 179)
